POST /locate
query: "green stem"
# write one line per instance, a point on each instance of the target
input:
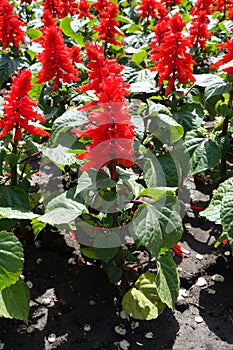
(14, 168)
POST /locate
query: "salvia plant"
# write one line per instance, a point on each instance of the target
(113, 96)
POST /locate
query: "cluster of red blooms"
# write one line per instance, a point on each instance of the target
(228, 57)
(57, 59)
(225, 6)
(61, 8)
(111, 131)
(10, 26)
(169, 51)
(155, 8)
(19, 108)
(108, 26)
(199, 31)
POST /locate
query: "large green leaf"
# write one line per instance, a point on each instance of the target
(205, 80)
(62, 209)
(142, 301)
(14, 301)
(8, 66)
(157, 225)
(167, 280)
(204, 150)
(11, 259)
(69, 30)
(9, 213)
(190, 116)
(162, 125)
(226, 214)
(14, 197)
(218, 88)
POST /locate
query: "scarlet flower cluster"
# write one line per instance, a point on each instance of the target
(61, 8)
(111, 131)
(19, 108)
(225, 6)
(84, 9)
(57, 59)
(151, 8)
(172, 61)
(228, 57)
(10, 26)
(199, 32)
(108, 26)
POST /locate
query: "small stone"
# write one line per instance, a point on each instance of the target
(87, 327)
(149, 335)
(30, 329)
(92, 302)
(211, 291)
(38, 261)
(227, 253)
(201, 282)
(51, 338)
(120, 330)
(46, 301)
(187, 225)
(199, 257)
(22, 277)
(72, 261)
(29, 284)
(183, 293)
(134, 324)
(124, 344)
(123, 315)
(218, 278)
(1, 345)
(139, 344)
(198, 319)
(38, 244)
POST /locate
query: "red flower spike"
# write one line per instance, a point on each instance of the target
(19, 108)
(68, 7)
(199, 30)
(172, 61)
(228, 57)
(56, 59)
(53, 6)
(84, 9)
(151, 8)
(10, 26)
(111, 133)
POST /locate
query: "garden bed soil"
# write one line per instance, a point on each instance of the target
(81, 308)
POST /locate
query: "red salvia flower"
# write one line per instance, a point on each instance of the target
(84, 9)
(201, 5)
(100, 5)
(19, 108)
(68, 7)
(225, 6)
(10, 26)
(108, 26)
(172, 61)
(199, 31)
(171, 3)
(53, 6)
(56, 59)
(111, 133)
(151, 8)
(228, 57)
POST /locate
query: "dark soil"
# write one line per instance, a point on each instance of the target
(65, 298)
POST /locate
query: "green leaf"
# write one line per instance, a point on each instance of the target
(14, 197)
(11, 259)
(34, 33)
(226, 211)
(8, 66)
(218, 88)
(139, 128)
(66, 28)
(162, 126)
(14, 301)
(190, 116)
(158, 225)
(142, 301)
(37, 226)
(167, 280)
(205, 80)
(62, 209)
(114, 272)
(204, 150)
(89, 253)
(139, 57)
(7, 212)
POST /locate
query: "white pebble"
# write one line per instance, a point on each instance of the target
(149, 335)
(199, 257)
(227, 253)
(123, 315)
(30, 329)
(72, 261)
(198, 319)
(201, 282)
(183, 293)
(46, 301)
(38, 261)
(29, 284)
(87, 327)
(1, 345)
(38, 244)
(120, 330)
(124, 344)
(92, 302)
(218, 278)
(22, 277)
(51, 338)
(187, 225)
(211, 291)
(134, 324)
